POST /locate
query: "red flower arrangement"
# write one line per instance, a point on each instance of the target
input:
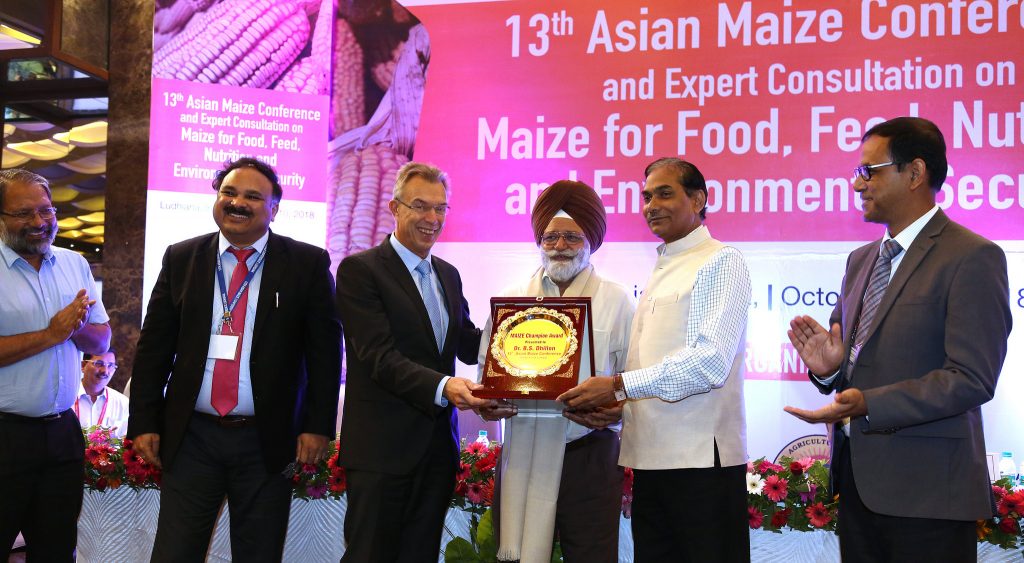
(111, 462)
(755, 516)
(1004, 529)
(781, 517)
(792, 494)
(775, 488)
(818, 515)
(474, 481)
(312, 481)
(627, 492)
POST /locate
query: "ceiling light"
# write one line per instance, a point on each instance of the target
(92, 218)
(11, 38)
(97, 203)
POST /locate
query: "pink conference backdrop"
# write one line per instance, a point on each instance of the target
(769, 99)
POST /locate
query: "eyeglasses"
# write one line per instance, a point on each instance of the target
(551, 239)
(423, 208)
(100, 364)
(45, 213)
(864, 170)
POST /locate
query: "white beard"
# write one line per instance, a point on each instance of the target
(561, 271)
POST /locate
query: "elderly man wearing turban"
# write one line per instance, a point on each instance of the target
(683, 429)
(556, 473)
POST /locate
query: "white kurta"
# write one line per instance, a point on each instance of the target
(113, 407)
(531, 461)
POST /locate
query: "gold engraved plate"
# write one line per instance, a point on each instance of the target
(539, 348)
(534, 342)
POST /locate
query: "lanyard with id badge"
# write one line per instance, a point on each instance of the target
(225, 346)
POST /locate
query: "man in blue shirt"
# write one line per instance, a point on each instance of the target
(49, 313)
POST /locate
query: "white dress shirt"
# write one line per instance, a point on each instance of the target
(109, 411)
(245, 406)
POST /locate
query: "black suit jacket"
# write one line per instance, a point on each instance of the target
(394, 366)
(932, 359)
(295, 362)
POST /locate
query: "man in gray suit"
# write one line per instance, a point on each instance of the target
(916, 344)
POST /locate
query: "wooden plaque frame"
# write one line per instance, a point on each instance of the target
(538, 387)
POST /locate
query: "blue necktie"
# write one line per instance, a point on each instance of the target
(872, 297)
(430, 301)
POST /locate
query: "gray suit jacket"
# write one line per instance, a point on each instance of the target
(928, 365)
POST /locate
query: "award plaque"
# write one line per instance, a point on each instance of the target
(539, 348)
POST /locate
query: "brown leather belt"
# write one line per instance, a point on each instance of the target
(11, 417)
(230, 421)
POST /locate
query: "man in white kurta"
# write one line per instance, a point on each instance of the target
(556, 473)
(97, 404)
(684, 431)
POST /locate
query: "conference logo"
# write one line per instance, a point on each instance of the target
(814, 446)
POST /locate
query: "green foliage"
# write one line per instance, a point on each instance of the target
(459, 550)
(482, 546)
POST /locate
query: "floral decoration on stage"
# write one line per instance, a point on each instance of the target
(1005, 529)
(474, 482)
(627, 492)
(792, 494)
(326, 479)
(111, 462)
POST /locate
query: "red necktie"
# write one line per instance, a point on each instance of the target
(224, 395)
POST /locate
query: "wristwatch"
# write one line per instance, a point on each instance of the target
(620, 387)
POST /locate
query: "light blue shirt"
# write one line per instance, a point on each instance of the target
(411, 260)
(46, 383)
(245, 406)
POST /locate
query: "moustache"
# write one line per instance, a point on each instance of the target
(237, 210)
(561, 253)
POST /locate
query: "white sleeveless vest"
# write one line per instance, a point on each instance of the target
(658, 434)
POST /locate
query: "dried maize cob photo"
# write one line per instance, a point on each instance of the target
(347, 104)
(365, 156)
(250, 43)
(361, 183)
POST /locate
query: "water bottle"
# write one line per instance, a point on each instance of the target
(482, 439)
(1007, 467)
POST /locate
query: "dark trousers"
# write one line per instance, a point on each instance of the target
(866, 536)
(690, 515)
(41, 486)
(214, 462)
(589, 499)
(401, 517)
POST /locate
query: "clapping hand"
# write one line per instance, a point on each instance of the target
(71, 318)
(822, 350)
